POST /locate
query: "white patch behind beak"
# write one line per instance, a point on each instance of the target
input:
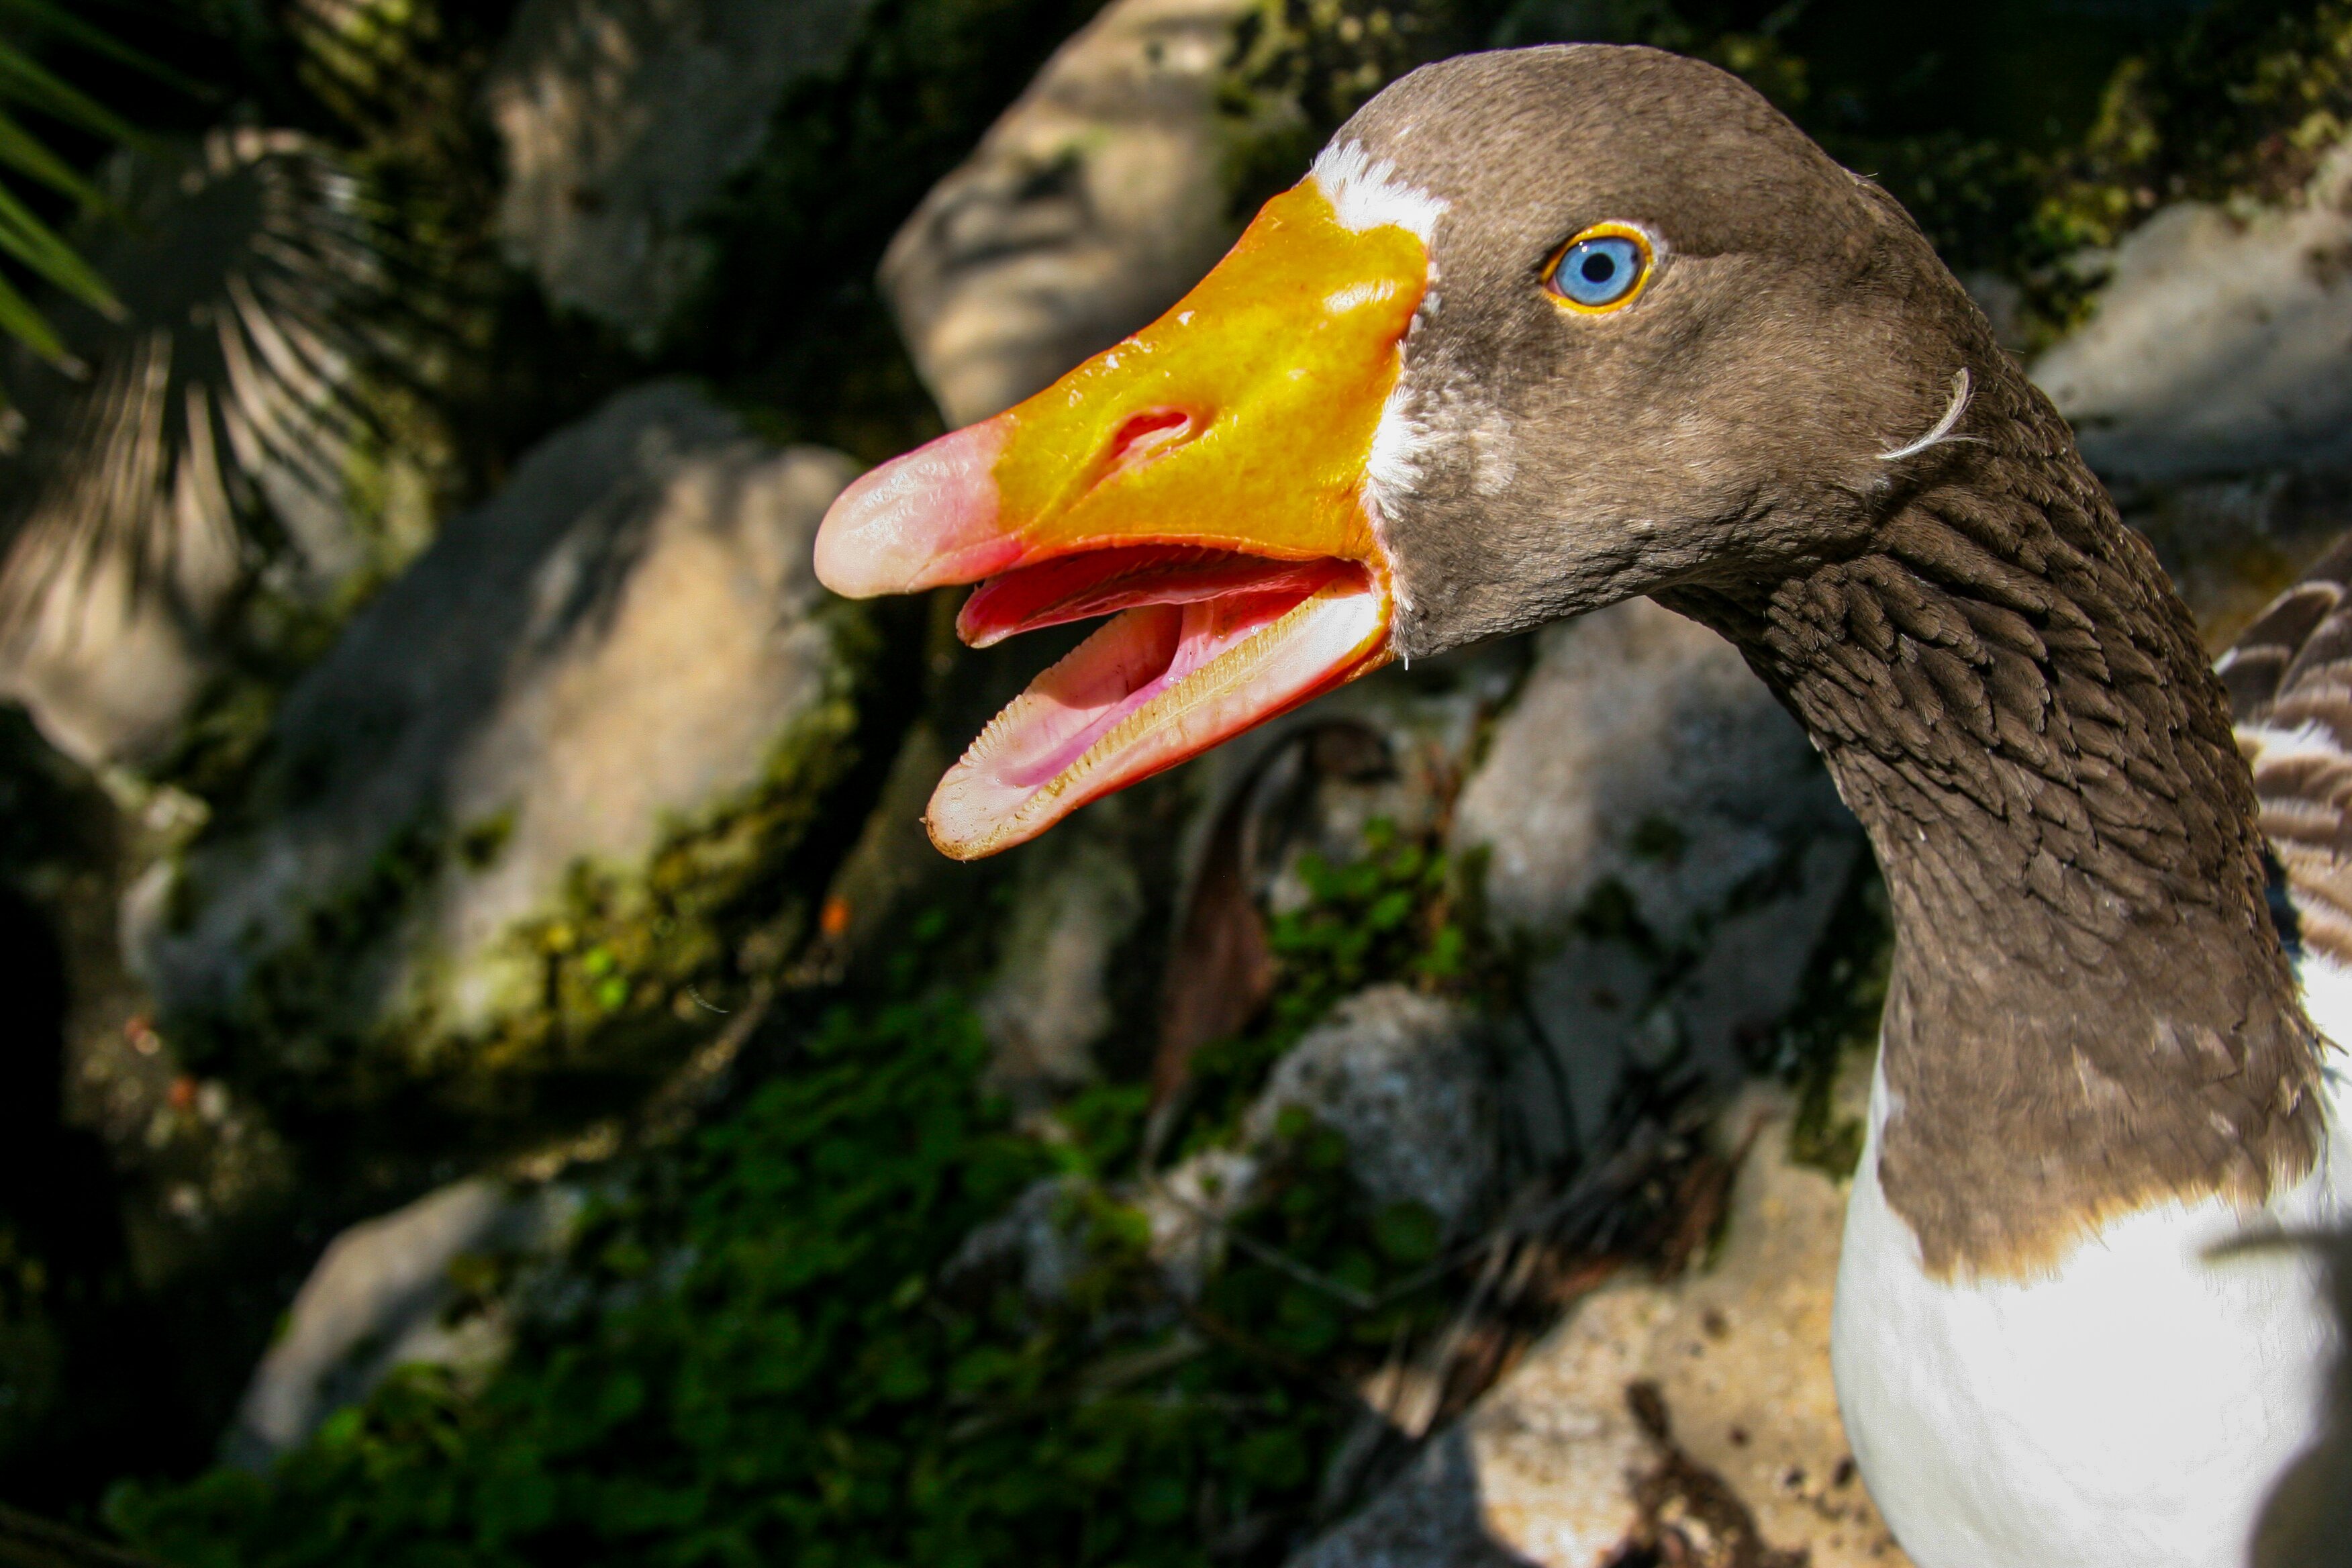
(1366, 192)
(1393, 467)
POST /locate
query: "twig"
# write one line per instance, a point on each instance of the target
(1104, 1377)
(1273, 1257)
(1256, 1350)
(29, 1542)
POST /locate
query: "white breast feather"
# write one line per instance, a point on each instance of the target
(2132, 1411)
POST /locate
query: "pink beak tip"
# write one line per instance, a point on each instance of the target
(923, 519)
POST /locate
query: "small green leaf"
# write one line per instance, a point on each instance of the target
(30, 241)
(24, 81)
(1160, 1500)
(66, 25)
(626, 1258)
(25, 153)
(29, 326)
(1407, 1232)
(1275, 1459)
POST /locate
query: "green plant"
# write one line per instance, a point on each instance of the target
(766, 1360)
(1393, 912)
(762, 1348)
(25, 84)
(1835, 1018)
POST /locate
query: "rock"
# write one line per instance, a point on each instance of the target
(1660, 836)
(109, 666)
(2209, 389)
(2217, 345)
(1188, 1207)
(1562, 1463)
(1040, 1242)
(1401, 1078)
(126, 550)
(1090, 207)
(622, 119)
(1050, 999)
(503, 819)
(384, 1294)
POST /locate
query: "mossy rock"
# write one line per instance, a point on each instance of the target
(513, 843)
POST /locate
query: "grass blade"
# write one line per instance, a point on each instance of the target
(22, 150)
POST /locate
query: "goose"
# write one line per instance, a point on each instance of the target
(1545, 329)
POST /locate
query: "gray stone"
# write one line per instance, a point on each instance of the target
(1401, 1076)
(109, 663)
(1544, 1467)
(1189, 1207)
(1076, 901)
(384, 1294)
(1040, 1241)
(1659, 835)
(2216, 344)
(1089, 208)
(622, 119)
(627, 640)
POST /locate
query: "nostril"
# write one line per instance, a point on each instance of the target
(1144, 435)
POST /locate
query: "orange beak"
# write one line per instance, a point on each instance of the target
(1203, 482)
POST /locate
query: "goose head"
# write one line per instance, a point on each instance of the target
(1543, 329)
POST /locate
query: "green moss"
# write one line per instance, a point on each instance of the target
(294, 1021)
(479, 842)
(1835, 1020)
(762, 1357)
(625, 956)
(344, 1018)
(1401, 910)
(2240, 107)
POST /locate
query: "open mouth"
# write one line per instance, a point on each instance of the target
(1202, 644)
(1202, 484)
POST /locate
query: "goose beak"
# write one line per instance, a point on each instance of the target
(1201, 483)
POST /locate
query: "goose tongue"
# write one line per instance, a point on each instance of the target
(1201, 483)
(1102, 582)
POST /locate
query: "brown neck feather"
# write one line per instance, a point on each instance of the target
(2089, 1011)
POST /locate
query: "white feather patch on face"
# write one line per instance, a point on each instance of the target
(1366, 192)
(1392, 468)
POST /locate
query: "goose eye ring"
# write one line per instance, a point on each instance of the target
(1602, 269)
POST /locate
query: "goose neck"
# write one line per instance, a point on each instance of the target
(2089, 1011)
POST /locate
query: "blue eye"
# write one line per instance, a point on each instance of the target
(1600, 270)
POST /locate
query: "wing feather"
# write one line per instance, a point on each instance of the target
(2289, 677)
